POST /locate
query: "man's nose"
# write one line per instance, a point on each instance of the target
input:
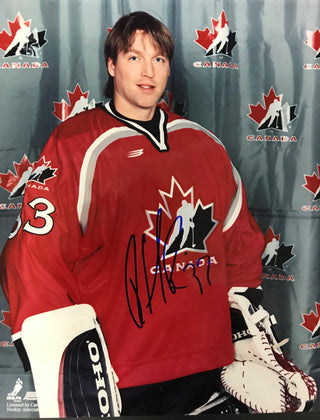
(147, 68)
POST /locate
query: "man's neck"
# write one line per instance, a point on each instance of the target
(137, 114)
(143, 117)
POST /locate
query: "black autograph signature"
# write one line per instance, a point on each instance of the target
(162, 276)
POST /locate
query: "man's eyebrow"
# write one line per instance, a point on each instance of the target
(133, 50)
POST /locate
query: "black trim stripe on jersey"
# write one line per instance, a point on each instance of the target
(159, 143)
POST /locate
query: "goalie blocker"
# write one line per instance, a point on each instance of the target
(72, 373)
(261, 376)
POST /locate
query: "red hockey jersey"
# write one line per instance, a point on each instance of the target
(150, 231)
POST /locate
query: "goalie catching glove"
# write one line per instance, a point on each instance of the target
(260, 376)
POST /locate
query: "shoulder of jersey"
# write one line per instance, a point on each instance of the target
(172, 116)
(93, 120)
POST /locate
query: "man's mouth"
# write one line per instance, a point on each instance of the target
(146, 86)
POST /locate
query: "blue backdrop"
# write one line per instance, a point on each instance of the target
(246, 69)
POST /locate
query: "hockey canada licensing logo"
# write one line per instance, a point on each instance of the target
(18, 404)
(273, 117)
(22, 45)
(217, 43)
(275, 257)
(25, 171)
(313, 42)
(312, 185)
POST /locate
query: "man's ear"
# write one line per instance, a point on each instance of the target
(111, 67)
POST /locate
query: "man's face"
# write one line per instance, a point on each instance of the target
(140, 77)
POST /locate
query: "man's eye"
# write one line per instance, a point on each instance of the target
(160, 60)
(133, 58)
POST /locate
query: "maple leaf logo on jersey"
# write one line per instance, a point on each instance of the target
(274, 254)
(21, 40)
(219, 41)
(313, 41)
(313, 184)
(186, 225)
(273, 114)
(78, 102)
(312, 321)
(25, 171)
(6, 319)
(170, 105)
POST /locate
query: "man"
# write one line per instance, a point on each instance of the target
(97, 244)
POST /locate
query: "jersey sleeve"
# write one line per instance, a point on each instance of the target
(37, 260)
(244, 241)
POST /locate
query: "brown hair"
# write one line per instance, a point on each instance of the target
(120, 39)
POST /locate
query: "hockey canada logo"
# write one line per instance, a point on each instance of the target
(312, 183)
(188, 223)
(273, 114)
(25, 171)
(311, 322)
(6, 320)
(78, 102)
(313, 42)
(275, 256)
(219, 41)
(22, 41)
(169, 104)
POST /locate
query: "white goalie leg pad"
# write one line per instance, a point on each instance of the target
(70, 364)
(259, 347)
